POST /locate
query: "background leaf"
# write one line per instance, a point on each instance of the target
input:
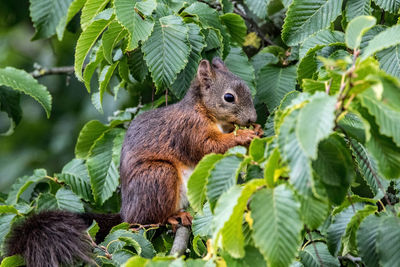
(306, 17)
(21, 81)
(166, 51)
(46, 15)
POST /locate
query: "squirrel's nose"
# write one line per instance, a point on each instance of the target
(253, 118)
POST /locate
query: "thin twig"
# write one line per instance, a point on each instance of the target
(40, 72)
(254, 25)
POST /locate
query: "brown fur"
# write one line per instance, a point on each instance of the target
(161, 143)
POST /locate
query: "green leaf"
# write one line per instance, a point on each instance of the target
(222, 177)
(114, 242)
(103, 162)
(262, 59)
(110, 39)
(349, 239)
(6, 221)
(306, 17)
(67, 200)
(257, 149)
(271, 165)
(338, 226)
(319, 40)
(334, 167)
(353, 126)
(9, 103)
(273, 83)
(93, 229)
(297, 149)
(356, 29)
(313, 211)
(368, 169)
(137, 65)
(202, 222)
(90, 132)
(46, 15)
(8, 209)
(73, 9)
(317, 255)
(91, 9)
(258, 7)
(307, 66)
(292, 152)
(207, 16)
(387, 115)
(21, 81)
(13, 261)
(238, 63)
(75, 174)
(385, 39)
(96, 57)
(185, 77)
(369, 35)
(389, 5)
(22, 184)
(388, 242)
(139, 28)
(136, 261)
(198, 180)
(276, 234)
(236, 27)
(357, 8)
(104, 79)
(389, 60)
(228, 217)
(320, 110)
(166, 51)
(386, 153)
(86, 41)
(366, 240)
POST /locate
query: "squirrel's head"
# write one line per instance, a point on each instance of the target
(225, 96)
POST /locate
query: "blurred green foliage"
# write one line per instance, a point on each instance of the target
(38, 141)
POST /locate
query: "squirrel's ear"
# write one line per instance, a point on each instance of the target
(205, 73)
(218, 64)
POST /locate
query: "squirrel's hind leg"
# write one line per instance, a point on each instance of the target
(152, 193)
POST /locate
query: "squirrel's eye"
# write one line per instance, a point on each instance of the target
(229, 97)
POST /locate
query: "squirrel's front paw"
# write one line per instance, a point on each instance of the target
(244, 137)
(258, 130)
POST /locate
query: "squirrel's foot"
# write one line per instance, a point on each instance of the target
(181, 218)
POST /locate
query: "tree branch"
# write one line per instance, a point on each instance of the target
(181, 241)
(253, 24)
(351, 258)
(40, 72)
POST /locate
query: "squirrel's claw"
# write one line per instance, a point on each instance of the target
(182, 217)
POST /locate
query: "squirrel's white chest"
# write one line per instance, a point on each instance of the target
(185, 174)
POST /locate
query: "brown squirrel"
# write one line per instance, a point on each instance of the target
(163, 146)
(160, 151)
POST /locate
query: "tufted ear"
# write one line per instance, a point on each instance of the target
(218, 64)
(205, 73)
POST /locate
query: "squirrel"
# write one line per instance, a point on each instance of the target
(160, 150)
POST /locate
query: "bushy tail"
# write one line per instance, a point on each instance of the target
(56, 238)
